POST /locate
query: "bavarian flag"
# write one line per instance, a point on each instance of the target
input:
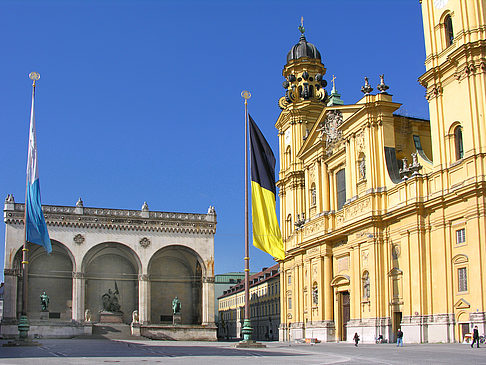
(266, 232)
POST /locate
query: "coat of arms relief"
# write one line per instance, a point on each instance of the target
(330, 132)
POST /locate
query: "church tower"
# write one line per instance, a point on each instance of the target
(455, 40)
(303, 102)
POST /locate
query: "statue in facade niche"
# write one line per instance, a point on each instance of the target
(44, 298)
(176, 305)
(110, 300)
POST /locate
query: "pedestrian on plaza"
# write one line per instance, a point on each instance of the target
(399, 338)
(475, 337)
(356, 339)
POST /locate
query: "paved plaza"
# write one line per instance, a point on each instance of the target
(104, 351)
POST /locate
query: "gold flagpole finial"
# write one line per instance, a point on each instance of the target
(34, 76)
(245, 94)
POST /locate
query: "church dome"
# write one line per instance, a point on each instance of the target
(303, 49)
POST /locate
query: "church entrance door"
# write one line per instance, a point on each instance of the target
(345, 314)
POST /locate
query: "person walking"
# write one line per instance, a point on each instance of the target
(475, 337)
(356, 339)
(399, 338)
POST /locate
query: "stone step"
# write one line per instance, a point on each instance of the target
(116, 331)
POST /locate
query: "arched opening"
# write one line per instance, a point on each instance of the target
(288, 225)
(51, 274)
(111, 266)
(458, 143)
(176, 271)
(287, 157)
(449, 31)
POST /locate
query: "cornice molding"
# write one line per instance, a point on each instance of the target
(118, 219)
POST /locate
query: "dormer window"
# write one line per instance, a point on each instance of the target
(449, 32)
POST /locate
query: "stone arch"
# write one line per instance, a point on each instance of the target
(460, 259)
(176, 270)
(51, 273)
(340, 280)
(104, 265)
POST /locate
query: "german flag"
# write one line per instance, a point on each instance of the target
(266, 232)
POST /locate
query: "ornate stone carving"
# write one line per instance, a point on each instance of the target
(211, 210)
(10, 272)
(145, 207)
(79, 239)
(360, 141)
(343, 263)
(145, 242)
(364, 258)
(143, 277)
(87, 315)
(312, 174)
(434, 92)
(329, 130)
(10, 199)
(395, 251)
(79, 203)
(77, 275)
(382, 87)
(210, 266)
(362, 168)
(366, 89)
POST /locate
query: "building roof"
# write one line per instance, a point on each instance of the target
(255, 279)
(303, 49)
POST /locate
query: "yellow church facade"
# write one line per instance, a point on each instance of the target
(383, 216)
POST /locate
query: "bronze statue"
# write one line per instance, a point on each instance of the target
(44, 298)
(110, 300)
(176, 305)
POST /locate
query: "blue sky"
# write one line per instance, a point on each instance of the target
(140, 100)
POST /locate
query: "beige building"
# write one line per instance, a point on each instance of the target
(148, 257)
(383, 216)
(264, 307)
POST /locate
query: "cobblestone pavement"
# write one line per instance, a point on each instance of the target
(102, 351)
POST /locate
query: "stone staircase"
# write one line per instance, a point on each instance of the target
(113, 331)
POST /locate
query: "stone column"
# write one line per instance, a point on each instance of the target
(78, 297)
(208, 301)
(10, 294)
(143, 299)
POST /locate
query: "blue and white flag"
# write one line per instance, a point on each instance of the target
(36, 228)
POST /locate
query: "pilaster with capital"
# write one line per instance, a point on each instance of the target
(328, 293)
(143, 298)
(208, 301)
(78, 296)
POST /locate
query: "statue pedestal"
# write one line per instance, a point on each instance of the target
(44, 315)
(176, 319)
(111, 317)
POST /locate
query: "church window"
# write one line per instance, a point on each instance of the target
(462, 279)
(289, 279)
(313, 194)
(341, 188)
(458, 142)
(449, 32)
(461, 236)
(290, 303)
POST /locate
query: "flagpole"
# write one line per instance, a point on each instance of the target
(23, 325)
(247, 330)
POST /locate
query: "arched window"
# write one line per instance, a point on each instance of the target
(449, 32)
(287, 157)
(458, 143)
(288, 224)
